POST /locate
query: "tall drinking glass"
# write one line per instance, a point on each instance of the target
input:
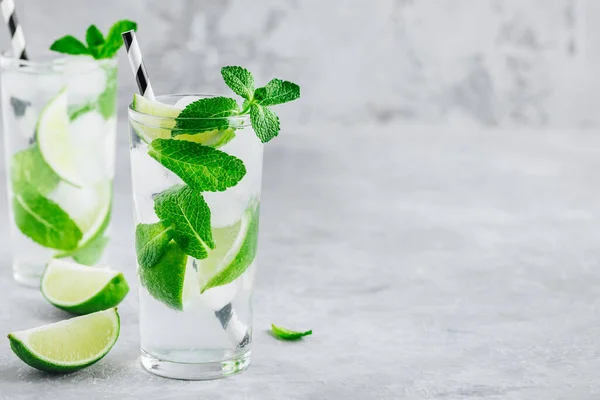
(59, 116)
(195, 248)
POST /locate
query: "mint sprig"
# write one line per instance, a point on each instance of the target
(97, 46)
(214, 113)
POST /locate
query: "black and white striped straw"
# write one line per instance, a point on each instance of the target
(137, 64)
(17, 37)
(235, 328)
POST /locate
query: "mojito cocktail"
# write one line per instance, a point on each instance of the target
(197, 167)
(59, 132)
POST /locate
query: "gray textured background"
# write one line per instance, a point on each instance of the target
(431, 209)
(508, 62)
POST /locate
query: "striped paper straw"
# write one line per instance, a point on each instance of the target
(16, 32)
(237, 330)
(137, 64)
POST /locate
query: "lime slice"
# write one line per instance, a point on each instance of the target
(80, 289)
(235, 250)
(69, 345)
(149, 128)
(94, 221)
(54, 141)
(90, 208)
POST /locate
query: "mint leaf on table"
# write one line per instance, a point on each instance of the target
(151, 242)
(205, 115)
(69, 45)
(264, 121)
(240, 80)
(202, 167)
(43, 221)
(287, 334)
(186, 211)
(28, 168)
(242, 260)
(277, 92)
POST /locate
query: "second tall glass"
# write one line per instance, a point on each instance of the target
(59, 118)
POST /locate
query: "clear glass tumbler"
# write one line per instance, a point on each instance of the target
(59, 116)
(196, 200)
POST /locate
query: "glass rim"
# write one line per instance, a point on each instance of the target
(51, 63)
(239, 120)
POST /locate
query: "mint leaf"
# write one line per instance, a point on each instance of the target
(78, 110)
(92, 251)
(164, 281)
(93, 36)
(277, 92)
(151, 243)
(94, 39)
(186, 211)
(242, 260)
(240, 80)
(107, 101)
(28, 168)
(205, 115)
(264, 122)
(44, 221)
(114, 40)
(287, 334)
(69, 45)
(202, 167)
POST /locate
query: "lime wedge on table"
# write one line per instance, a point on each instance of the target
(80, 289)
(54, 141)
(149, 128)
(235, 250)
(69, 345)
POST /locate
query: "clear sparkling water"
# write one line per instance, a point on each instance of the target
(26, 91)
(194, 335)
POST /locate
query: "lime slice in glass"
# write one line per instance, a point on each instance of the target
(90, 208)
(149, 128)
(69, 345)
(235, 250)
(54, 140)
(81, 289)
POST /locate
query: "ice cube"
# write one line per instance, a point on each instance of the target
(184, 101)
(92, 138)
(86, 79)
(77, 202)
(149, 178)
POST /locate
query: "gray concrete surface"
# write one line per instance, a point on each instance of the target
(431, 263)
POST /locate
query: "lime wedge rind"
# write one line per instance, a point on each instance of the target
(21, 343)
(151, 126)
(95, 289)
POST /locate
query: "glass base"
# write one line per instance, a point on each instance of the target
(28, 275)
(196, 372)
